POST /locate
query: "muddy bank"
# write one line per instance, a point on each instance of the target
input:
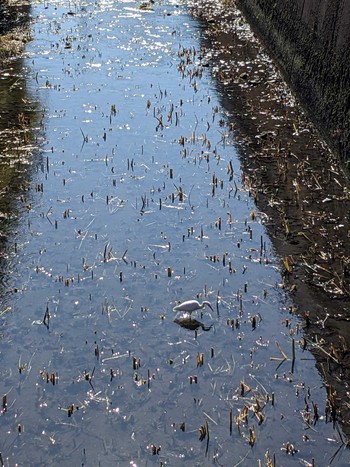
(297, 183)
(13, 14)
(14, 32)
(310, 41)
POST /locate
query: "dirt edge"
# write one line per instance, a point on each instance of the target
(297, 183)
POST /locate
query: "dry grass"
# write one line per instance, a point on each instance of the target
(12, 43)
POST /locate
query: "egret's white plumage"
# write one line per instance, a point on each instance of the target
(191, 305)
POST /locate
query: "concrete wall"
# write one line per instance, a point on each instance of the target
(310, 40)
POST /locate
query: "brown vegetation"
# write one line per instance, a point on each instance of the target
(300, 186)
(14, 32)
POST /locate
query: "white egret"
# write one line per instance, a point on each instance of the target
(192, 305)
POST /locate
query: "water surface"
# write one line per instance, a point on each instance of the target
(136, 202)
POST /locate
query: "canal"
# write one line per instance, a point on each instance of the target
(124, 192)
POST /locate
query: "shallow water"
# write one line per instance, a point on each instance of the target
(134, 202)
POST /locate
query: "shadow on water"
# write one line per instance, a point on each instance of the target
(300, 186)
(18, 159)
(191, 324)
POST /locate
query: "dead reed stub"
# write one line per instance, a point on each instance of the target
(136, 363)
(289, 448)
(155, 450)
(252, 436)
(70, 410)
(200, 359)
(4, 402)
(203, 431)
(46, 319)
(253, 321)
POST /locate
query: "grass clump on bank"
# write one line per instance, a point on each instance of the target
(13, 42)
(14, 28)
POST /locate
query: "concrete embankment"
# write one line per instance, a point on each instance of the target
(310, 40)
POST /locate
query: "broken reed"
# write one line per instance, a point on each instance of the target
(255, 404)
(284, 357)
(204, 433)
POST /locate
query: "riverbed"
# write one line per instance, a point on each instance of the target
(124, 194)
